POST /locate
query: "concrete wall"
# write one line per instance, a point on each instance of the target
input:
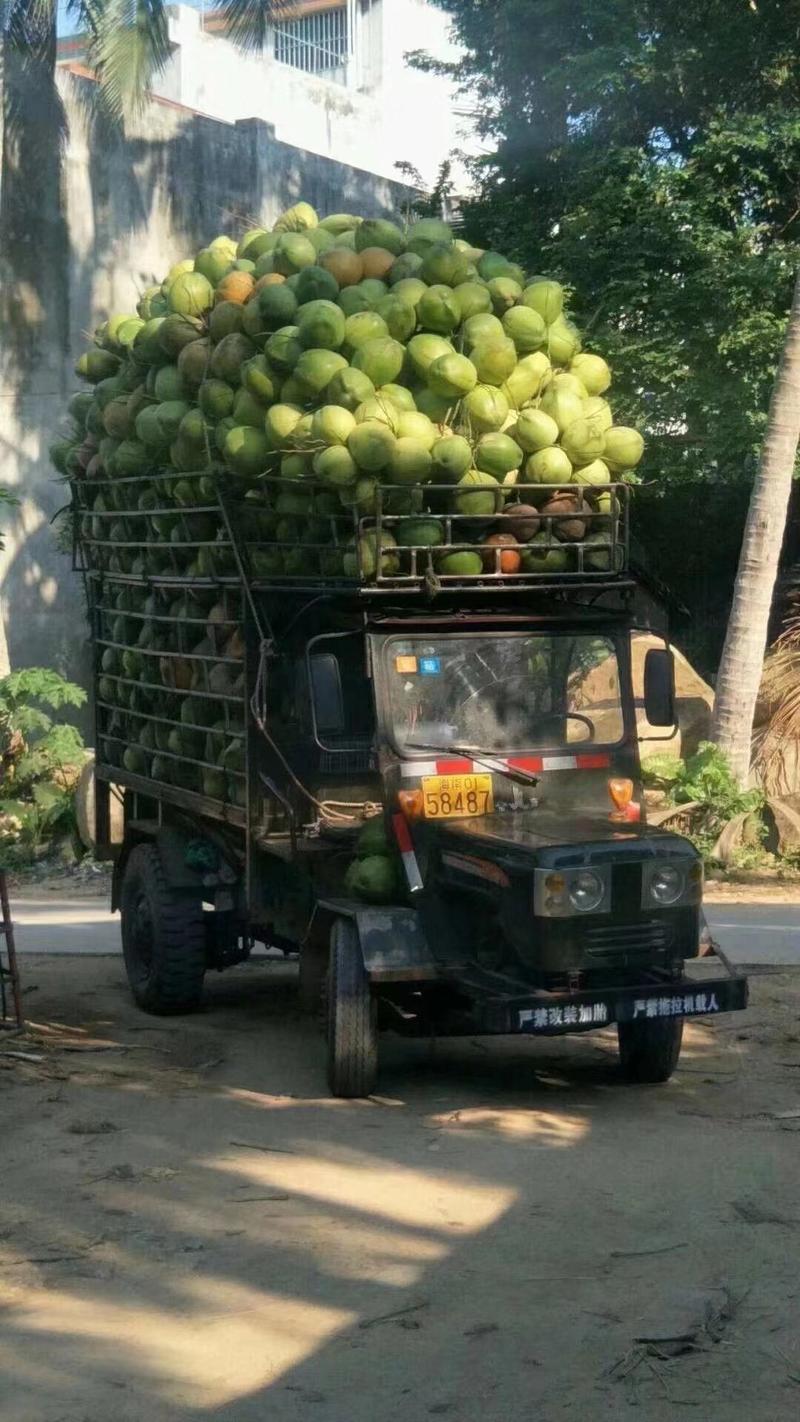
(129, 209)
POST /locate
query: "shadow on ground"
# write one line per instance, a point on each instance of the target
(191, 1229)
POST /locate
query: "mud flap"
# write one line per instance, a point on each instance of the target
(393, 943)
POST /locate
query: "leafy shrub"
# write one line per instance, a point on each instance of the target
(37, 756)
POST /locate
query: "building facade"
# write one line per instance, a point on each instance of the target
(332, 79)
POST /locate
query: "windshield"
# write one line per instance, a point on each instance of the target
(507, 692)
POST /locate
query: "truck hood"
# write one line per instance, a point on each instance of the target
(558, 839)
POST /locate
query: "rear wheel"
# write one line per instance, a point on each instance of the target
(649, 1051)
(163, 937)
(352, 1017)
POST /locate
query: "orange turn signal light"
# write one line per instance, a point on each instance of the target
(412, 803)
(621, 792)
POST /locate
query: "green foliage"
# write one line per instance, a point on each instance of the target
(647, 155)
(706, 779)
(35, 752)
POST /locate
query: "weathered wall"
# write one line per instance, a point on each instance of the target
(132, 207)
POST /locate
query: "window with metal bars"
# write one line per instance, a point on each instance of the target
(316, 43)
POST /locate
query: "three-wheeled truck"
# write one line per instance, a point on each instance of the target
(255, 719)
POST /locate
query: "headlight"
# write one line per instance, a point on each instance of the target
(667, 884)
(565, 893)
(586, 891)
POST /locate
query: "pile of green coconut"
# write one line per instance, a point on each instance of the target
(312, 368)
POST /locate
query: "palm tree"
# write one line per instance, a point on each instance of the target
(740, 669)
(127, 43)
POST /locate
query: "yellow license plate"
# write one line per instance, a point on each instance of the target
(450, 796)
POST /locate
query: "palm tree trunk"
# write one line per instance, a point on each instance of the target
(739, 674)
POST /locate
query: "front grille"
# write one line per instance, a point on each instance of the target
(613, 940)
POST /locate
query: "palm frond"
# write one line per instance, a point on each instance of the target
(248, 21)
(779, 724)
(128, 42)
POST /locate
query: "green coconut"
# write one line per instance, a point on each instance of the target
(408, 289)
(477, 494)
(382, 359)
(525, 328)
(424, 349)
(246, 451)
(378, 232)
(379, 408)
(400, 396)
(452, 375)
(599, 412)
(409, 462)
(563, 341)
(535, 430)
(321, 326)
(371, 445)
(349, 388)
(583, 442)
(406, 267)
(497, 454)
(438, 311)
(548, 466)
(426, 232)
(316, 368)
(444, 265)
(593, 371)
(298, 218)
(292, 252)
(316, 284)
(624, 447)
(484, 409)
(228, 357)
(420, 533)
(336, 465)
(541, 555)
(225, 319)
(332, 425)
(283, 350)
(280, 422)
(494, 360)
(452, 457)
(544, 297)
(400, 318)
(213, 263)
(277, 305)
(363, 326)
(413, 424)
(191, 294)
(463, 564)
(473, 299)
(595, 474)
(563, 406)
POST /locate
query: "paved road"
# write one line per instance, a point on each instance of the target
(749, 933)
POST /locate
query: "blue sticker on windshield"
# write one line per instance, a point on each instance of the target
(430, 666)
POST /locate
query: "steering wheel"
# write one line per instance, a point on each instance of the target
(546, 716)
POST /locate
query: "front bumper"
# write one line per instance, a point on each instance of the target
(553, 1014)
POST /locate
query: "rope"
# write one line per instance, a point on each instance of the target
(334, 811)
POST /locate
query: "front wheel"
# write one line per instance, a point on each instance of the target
(649, 1051)
(352, 1017)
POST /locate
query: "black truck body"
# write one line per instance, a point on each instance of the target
(256, 718)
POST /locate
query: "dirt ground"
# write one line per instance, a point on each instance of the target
(191, 1229)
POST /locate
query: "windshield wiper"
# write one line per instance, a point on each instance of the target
(485, 758)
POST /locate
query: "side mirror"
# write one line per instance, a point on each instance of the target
(659, 687)
(327, 701)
